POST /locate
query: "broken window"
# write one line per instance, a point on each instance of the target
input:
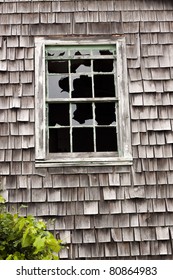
(81, 101)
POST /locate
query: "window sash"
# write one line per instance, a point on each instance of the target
(124, 155)
(55, 54)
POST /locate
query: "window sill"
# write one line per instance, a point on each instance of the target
(109, 161)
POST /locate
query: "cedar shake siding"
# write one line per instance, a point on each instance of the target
(105, 211)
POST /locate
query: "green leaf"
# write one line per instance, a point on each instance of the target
(2, 200)
(22, 223)
(41, 225)
(39, 244)
(26, 240)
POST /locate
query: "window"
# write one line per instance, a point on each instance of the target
(82, 110)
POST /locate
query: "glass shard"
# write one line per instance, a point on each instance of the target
(56, 53)
(79, 53)
(58, 86)
(80, 65)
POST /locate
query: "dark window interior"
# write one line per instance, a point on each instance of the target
(59, 114)
(106, 139)
(103, 65)
(105, 113)
(59, 140)
(58, 66)
(83, 140)
(104, 86)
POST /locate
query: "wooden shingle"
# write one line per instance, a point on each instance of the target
(103, 235)
(90, 208)
(134, 248)
(127, 234)
(109, 193)
(163, 249)
(162, 233)
(123, 249)
(97, 251)
(53, 195)
(82, 222)
(38, 195)
(115, 207)
(128, 206)
(145, 248)
(89, 236)
(148, 234)
(111, 250)
(77, 236)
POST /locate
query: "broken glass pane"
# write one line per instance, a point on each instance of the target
(58, 86)
(59, 114)
(83, 140)
(56, 53)
(106, 139)
(79, 53)
(82, 114)
(104, 86)
(80, 65)
(59, 140)
(105, 113)
(103, 65)
(58, 66)
(102, 52)
(106, 52)
(81, 86)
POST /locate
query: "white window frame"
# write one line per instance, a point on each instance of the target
(124, 156)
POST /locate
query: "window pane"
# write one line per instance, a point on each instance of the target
(102, 52)
(106, 139)
(83, 140)
(80, 66)
(58, 66)
(82, 86)
(82, 114)
(104, 86)
(103, 65)
(59, 140)
(105, 113)
(56, 53)
(79, 52)
(59, 114)
(58, 86)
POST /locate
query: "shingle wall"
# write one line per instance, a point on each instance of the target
(101, 212)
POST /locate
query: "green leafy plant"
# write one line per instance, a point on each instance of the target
(25, 238)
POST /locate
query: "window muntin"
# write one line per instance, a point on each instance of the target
(81, 101)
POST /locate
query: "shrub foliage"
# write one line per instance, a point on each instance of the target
(25, 238)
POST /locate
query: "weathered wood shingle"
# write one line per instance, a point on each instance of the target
(101, 212)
